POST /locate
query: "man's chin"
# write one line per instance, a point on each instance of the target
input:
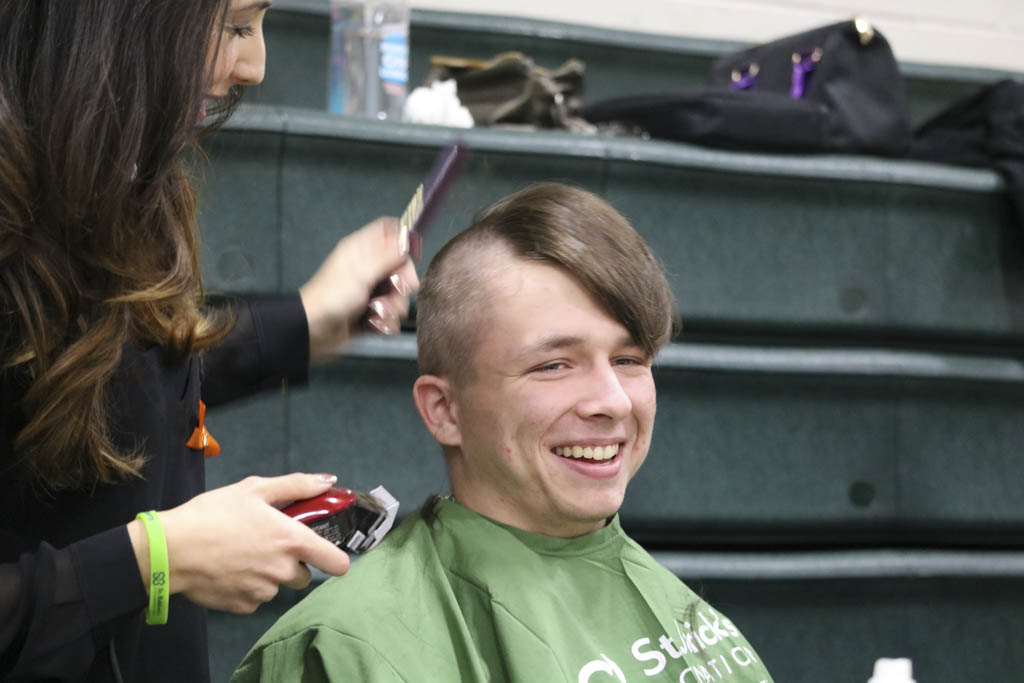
(594, 515)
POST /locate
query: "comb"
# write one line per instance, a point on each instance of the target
(425, 202)
(422, 208)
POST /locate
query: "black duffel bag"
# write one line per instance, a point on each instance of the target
(832, 89)
(984, 129)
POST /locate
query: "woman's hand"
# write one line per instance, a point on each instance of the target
(230, 548)
(340, 293)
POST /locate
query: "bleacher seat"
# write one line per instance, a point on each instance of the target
(835, 457)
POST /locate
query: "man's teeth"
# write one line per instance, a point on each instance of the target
(588, 452)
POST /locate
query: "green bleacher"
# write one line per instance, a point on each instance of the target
(836, 456)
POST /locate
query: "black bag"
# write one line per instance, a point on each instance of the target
(986, 129)
(831, 89)
(976, 131)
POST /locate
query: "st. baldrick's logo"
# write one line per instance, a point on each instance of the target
(706, 648)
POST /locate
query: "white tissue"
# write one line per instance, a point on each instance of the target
(438, 105)
(899, 670)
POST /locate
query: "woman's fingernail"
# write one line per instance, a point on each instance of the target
(403, 239)
(399, 284)
(329, 478)
(378, 324)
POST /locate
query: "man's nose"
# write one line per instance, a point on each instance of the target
(604, 395)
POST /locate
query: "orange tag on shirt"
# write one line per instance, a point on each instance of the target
(201, 439)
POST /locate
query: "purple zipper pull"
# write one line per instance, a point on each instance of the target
(804, 63)
(744, 79)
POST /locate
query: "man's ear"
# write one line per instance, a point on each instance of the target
(435, 400)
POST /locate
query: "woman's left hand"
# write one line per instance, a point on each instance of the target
(339, 298)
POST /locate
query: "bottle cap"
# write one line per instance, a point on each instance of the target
(899, 670)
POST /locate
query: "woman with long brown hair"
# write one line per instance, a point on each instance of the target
(106, 346)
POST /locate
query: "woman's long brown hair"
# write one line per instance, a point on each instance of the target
(99, 101)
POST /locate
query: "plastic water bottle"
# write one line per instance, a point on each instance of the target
(369, 66)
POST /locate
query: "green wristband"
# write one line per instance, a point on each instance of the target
(159, 571)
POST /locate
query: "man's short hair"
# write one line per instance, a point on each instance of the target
(547, 223)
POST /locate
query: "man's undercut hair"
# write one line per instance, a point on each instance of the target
(547, 223)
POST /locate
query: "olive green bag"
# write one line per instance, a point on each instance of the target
(510, 90)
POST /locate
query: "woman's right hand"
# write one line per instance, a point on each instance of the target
(230, 549)
(340, 292)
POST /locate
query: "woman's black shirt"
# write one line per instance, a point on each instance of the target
(71, 598)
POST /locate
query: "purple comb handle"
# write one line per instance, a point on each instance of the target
(424, 206)
(439, 181)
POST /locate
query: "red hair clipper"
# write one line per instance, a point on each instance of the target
(352, 520)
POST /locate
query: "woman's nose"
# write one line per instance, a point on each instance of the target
(252, 61)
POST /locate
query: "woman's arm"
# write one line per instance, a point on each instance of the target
(268, 346)
(228, 549)
(59, 608)
(275, 338)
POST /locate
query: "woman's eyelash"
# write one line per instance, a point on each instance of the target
(242, 31)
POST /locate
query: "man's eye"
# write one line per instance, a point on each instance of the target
(550, 367)
(628, 361)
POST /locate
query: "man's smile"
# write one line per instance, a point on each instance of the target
(596, 453)
(592, 459)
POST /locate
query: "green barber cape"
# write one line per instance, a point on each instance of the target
(468, 599)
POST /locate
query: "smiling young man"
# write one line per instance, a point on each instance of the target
(536, 330)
